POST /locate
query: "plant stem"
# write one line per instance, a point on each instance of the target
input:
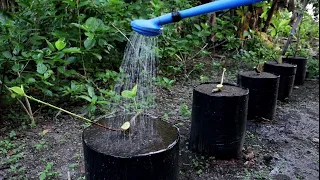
(124, 36)
(29, 109)
(72, 114)
(21, 103)
(28, 104)
(222, 76)
(297, 44)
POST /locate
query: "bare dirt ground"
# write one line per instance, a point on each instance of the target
(287, 148)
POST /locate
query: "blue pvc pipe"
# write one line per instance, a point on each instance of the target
(204, 9)
(153, 27)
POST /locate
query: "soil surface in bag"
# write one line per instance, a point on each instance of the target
(147, 135)
(227, 90)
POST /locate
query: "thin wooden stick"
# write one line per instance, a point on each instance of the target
(293, 30)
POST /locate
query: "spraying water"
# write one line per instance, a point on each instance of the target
(146, 134)
(139, 65)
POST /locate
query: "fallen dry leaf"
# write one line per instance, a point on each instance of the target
(11, 152)
(45, 131)
(82, 170)
(249, 156)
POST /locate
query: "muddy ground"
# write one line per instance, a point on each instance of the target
(286, 148)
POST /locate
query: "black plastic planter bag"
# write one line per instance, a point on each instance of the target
(219, 121)
(155, 156)
(263, 88)
(287, 74)
(301, 63)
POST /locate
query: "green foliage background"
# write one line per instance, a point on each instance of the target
(72, 49)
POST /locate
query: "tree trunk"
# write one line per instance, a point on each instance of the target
(9, 5)
(270, 14)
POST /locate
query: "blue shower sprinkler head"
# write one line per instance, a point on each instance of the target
(146, 27)
(153, 27)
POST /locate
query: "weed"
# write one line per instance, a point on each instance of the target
(184, 110)
(165, 116)
(41, 145)
(203, 79)
(12, 134)
(260, 175)
(48, 172)
(11, 154)
(74, 166)
(77, 156)
(164, 82)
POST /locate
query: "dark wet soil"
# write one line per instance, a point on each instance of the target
(146, 136)
(253, 74)
(286, 148)
(227, 90)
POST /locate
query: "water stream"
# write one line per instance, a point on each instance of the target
(139, 66)
(147, 135)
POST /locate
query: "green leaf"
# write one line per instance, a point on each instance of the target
(25, 54)
(273, 32)
(31, 80)
(89, 34)
(85, 97)
(126, 125)
(48, 93)
(197, 26)
(42, 176)
(17, 67)
(94, 99)
(102, 42)
(130, 94)
(134, 90)
(126, 94)
(97, 56)
(89, 43)
(18, 90)
(7, 54)
(60, 44)
(93, 24)
(80, 26)
(70, 2)
(103, 102)
(70, 60)
(72, 50)
(166, 80)
(284, 22)
(51, 47)
(91, 91)
(47, 74)
(41, 68)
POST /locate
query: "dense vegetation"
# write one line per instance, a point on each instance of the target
(71, 50)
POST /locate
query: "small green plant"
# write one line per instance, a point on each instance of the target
(184, 110)
(165, 116)
(164, 82)
(313, 67)
(74, 165)
(16, 169)
(48, 172)
(41, 145)
(19, 91)
(204, 78)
